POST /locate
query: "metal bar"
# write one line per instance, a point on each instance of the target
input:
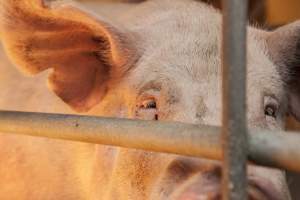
(168, 137)
(269, 148)
(234, 176)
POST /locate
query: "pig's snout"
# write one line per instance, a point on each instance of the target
(257, 190)
(206, 185)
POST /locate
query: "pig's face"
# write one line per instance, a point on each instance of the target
(164, 65)
(179, 71)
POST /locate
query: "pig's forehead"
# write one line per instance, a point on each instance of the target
(262, 73)
(184, 44)
(201, 62)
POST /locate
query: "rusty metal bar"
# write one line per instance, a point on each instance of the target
(234, 176)
(269, 148)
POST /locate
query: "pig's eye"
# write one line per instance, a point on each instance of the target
(271, 107)
(270, 110)
(149, 104)
(147, 109)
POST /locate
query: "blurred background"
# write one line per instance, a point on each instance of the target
(263, 12)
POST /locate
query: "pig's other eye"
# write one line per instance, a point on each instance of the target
(270, 107)
(148, 104)
(270, 110)
(147, 109)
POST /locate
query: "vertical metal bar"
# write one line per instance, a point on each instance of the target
(234, 100)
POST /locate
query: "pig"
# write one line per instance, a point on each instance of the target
(158, 60)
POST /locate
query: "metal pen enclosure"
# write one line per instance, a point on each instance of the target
(234, 128)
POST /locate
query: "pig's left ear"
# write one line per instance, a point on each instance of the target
(85, 52)
(284, 49)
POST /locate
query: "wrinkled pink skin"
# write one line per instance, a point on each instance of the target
(171, 54)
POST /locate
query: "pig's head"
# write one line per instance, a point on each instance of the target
(159, 62)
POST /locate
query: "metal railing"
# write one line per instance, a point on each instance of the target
(268, 148)
(234, 128)
(236, 145)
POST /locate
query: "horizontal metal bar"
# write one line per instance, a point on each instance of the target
(166, 137)
(269, 148)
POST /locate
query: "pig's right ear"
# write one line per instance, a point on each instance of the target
(284, 48)
(84, 52)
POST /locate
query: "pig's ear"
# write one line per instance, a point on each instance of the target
(284, 48)
(84, 52)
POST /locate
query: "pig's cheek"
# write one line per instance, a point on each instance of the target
(200, 194)
(205, 186)
(258, 122)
